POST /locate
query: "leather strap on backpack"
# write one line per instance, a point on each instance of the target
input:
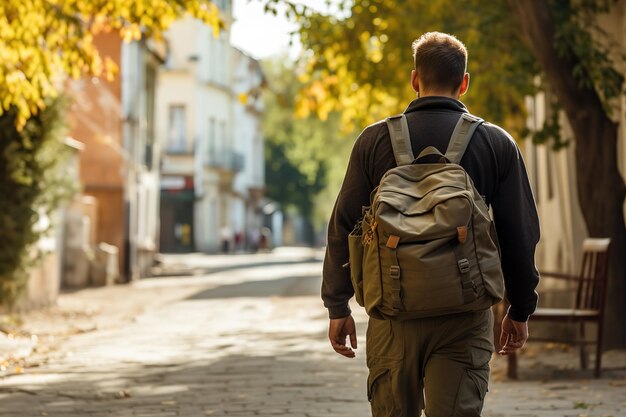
(400, 139)
(461, 136)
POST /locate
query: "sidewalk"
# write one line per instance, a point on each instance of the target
(198, 263)
(28, 340)
(247, 341)
(552, 385)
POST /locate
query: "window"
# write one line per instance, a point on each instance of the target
(149, 109)
(222, 139)
(213, 227)
(210, 60)
(212, 140)
(177, 130)
(220, 61)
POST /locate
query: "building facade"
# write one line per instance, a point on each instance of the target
(119, 164)
(211, 177)
(249, 185)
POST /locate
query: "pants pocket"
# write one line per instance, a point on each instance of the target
(384, 342)
(471, 394)
(380, 392)
(480, 341)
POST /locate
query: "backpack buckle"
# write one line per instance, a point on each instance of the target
(471, 118)
(464, 266)
(394, 271)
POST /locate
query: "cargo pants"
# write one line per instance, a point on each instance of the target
(437, 364)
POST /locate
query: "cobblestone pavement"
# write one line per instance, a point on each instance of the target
(252, 342)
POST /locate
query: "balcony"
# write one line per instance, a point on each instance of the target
(228, 160)
(178, 152)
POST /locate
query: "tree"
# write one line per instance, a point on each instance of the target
(33, 183)
(303, 155)
(581, 73)
(287, 184)
(359, 65)
(42, 42)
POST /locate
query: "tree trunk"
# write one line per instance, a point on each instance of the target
(601, 189)
(601, 198)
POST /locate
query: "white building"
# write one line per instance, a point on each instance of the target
(249, 185)
(211, 145)
(120, 163)
(140, 62)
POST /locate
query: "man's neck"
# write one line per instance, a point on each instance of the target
(439, 94)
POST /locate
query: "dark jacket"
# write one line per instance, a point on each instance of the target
(494, 163)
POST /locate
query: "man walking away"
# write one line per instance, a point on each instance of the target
(437, 362)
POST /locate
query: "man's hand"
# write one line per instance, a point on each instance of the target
(514, 335)
(338, 332)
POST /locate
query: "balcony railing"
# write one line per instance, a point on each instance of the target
(228, 160)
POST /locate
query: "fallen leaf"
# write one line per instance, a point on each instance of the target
(122, 394)
(581, 405)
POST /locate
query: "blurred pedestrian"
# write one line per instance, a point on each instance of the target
(266, 239)
(226, 235)
(238, 240)
(254, 239)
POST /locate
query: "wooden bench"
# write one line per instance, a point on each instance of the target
(590, 286)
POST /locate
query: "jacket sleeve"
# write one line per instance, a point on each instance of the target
(354, 194)
(517, 225)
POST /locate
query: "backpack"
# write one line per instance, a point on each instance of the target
(426, 246)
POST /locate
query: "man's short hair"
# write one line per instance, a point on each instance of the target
(440, 61)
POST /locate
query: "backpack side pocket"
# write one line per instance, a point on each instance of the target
(372, 277)
(355, 247)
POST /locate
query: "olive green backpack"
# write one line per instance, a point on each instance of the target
(426, 246)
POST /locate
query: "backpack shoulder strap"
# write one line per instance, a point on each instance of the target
(400, 139)
(461, 136)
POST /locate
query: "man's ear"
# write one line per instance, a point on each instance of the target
(464, 84)
(415, 81)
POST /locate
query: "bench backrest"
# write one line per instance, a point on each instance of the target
(594, 270)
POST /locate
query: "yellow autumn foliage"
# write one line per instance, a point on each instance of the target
(363, 60)
(44, 41)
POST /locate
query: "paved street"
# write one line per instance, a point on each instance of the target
(251, 340)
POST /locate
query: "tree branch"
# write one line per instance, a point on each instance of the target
(539, 29)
